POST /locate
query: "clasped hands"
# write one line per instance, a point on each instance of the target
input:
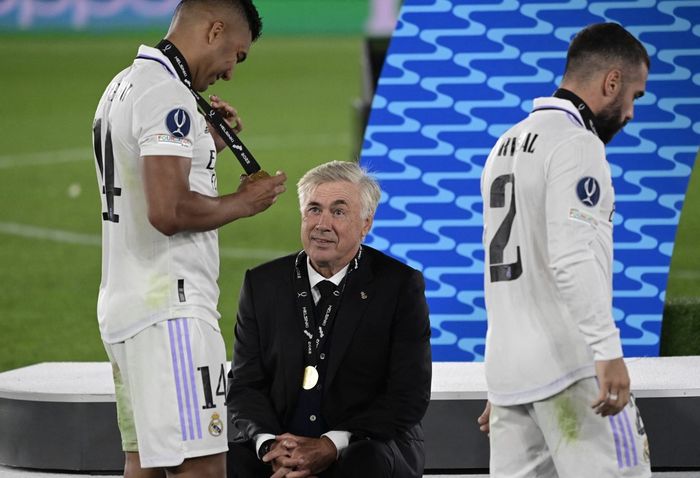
(292, 456)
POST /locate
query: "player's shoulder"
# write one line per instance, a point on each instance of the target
(561, 125)
(152, 77)
(582, 141)
(154, 81)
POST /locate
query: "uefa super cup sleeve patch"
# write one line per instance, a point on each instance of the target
(588, 191)
(178, 122)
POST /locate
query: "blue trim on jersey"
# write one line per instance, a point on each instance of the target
(560, 109)
(165, 65)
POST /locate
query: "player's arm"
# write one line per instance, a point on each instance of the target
(580, 278)
(173, 207)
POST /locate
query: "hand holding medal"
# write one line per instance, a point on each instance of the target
(227, 134)
(230, 116)
(213, 115)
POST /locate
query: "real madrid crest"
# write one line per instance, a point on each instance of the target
(216, 426)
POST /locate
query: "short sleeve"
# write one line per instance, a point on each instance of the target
(164, 121)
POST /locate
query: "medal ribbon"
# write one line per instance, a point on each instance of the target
(244, 156)
(316, 333)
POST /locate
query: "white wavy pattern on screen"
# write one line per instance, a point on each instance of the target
(408, 139)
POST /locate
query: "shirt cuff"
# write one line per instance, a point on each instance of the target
(339, 438)
(608, 348)
(260, 439)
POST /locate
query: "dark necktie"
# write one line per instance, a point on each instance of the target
(326, 288)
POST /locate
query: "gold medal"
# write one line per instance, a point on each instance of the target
(310, 378)
(258, 175)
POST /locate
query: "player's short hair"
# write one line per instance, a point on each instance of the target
(343, 171)
(601, 46)
(245, 8)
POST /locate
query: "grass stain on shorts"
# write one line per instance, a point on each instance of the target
(567, 418)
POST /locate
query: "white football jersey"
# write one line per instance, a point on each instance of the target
(548, 206)
(147, 276)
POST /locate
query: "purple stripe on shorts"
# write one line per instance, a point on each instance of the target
(616, 437)
(173, 355)
(192, 382)
(183, 368)
(618, 418)
(628, 427)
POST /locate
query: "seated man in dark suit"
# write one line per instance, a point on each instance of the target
(331, 367)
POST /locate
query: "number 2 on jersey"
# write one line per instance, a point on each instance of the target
(498, 270)
(104, 155)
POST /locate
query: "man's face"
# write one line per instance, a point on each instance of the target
(332, 227)
(229, 49)
(613, 117)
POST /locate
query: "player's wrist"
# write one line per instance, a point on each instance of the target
(608, 348)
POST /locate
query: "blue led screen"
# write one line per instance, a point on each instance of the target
(458, 74)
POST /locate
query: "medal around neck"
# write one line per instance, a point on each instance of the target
(239, 150)
(310, 378)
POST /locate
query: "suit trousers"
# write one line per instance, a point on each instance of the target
(365, 458)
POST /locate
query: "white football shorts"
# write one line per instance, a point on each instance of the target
(170, 386)
(562, 437)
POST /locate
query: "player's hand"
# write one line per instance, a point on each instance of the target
(614, 383)
(256, 196)
(483, 419)
(230, 115)
(313, 455)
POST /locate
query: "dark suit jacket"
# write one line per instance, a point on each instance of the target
(379, 369)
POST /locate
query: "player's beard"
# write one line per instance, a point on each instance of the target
(609, 121)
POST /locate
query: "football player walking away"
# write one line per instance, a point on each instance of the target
(558, 388)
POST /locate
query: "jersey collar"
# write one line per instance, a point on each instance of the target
(153, 54)
(589, 119)
(566, 106)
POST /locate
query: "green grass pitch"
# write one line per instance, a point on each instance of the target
(295, 96)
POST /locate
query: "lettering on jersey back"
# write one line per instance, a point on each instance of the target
(512, 145)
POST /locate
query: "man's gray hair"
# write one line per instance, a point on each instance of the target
(344, 171)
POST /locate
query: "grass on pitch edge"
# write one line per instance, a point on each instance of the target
(295, 96)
